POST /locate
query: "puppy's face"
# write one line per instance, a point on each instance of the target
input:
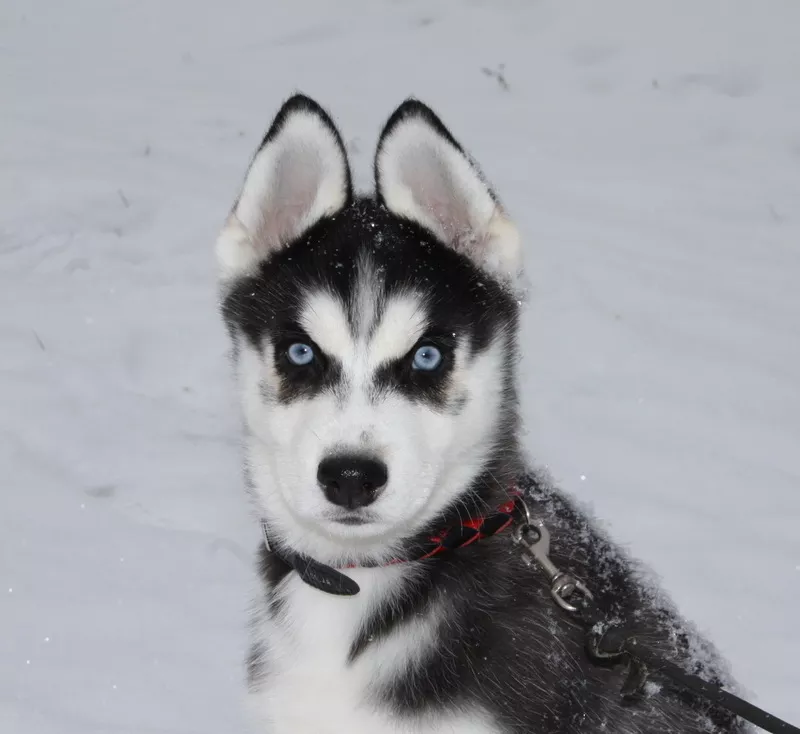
(374, 348)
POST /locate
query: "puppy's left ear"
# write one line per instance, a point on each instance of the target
(298, 176)
(423, 174)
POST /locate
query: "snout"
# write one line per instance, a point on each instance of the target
(352, 481)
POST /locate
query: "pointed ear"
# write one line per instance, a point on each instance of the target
(423, 174)
(298, 176)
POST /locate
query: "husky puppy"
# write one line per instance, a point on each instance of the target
(375, 343)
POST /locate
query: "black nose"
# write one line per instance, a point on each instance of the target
(351, 481)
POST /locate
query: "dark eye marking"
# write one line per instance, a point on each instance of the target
(421, 374)
(304, 368)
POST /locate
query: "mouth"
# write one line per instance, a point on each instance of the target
(352, 518)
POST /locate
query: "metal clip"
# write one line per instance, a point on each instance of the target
(535, 538)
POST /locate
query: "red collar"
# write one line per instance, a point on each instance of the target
(470, 531)
(476, 528)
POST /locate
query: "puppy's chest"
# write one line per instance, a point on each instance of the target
(311, 684)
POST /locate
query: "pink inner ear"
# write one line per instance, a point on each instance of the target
(436, 192)
(297, 178)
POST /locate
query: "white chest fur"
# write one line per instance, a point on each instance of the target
(310, 686)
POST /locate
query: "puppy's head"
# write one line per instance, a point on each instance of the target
(374, 337)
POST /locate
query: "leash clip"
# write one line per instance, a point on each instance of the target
(535, 539)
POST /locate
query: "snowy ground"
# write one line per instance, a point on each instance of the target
(651, 154)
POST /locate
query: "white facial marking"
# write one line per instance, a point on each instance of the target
(367, 294)
(325, 320)
(402, 324)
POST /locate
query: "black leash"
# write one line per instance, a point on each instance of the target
(607, 643)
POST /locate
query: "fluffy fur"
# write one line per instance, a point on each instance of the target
(329, 299)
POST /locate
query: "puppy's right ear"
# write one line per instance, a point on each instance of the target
(297, 177)
(423, 174)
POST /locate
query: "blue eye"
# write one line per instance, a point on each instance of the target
(300, 354)
(427, 358)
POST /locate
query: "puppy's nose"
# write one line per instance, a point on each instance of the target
(352, 481)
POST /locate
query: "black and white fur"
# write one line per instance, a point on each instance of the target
(470, 642)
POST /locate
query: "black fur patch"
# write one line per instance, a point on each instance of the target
(409, 601)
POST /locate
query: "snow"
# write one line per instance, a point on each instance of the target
(650, 153)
